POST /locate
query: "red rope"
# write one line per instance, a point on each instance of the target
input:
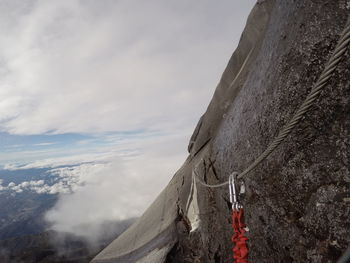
(240, 249)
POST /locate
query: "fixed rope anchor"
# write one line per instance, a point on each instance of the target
(239, 239)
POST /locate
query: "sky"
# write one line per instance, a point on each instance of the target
(114, 87)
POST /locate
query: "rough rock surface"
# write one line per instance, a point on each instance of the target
(297, 201)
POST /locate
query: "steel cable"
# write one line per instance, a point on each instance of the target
(303, 109)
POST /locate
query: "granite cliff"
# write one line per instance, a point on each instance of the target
(297, 201)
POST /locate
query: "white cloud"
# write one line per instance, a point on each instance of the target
(72, 66)
(116, 191)
(39, 186)
(1, 186)
(44, 144)
(35, 183)
(59, 161)
(115, 188)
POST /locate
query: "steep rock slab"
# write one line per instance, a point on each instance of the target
(297, 201)
(154, 234)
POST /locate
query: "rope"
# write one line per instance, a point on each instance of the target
(204, 183)
(239, 238)
(303, 109)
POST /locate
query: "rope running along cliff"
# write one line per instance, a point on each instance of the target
(303, 109)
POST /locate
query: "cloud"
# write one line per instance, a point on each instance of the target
(60, 161)
(118, 190)
(1, 186)
(67, 180)
(44, 144)
(39, 186)
(108, 188)
(73, 66)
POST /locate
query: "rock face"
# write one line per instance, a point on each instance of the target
(297, 202)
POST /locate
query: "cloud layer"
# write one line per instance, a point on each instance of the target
(92, 66)
(116, 191)
(110, 189)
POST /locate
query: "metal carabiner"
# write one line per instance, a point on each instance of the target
(233, 191)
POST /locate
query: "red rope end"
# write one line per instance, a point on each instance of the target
(240, 249)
